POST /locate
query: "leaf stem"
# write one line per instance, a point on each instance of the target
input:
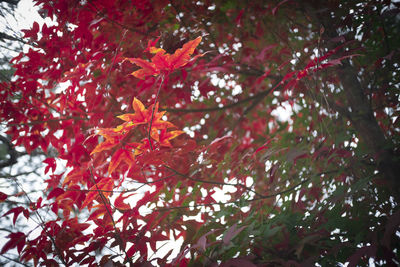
(152, 112)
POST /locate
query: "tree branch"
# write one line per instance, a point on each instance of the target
(362, 114)
(5, 36)
(10, 151)
(234, 201)
(16, 175)
(16, 261)
(42, 225)
(11, 2)
(211, 182)
(240, 102)
(260, 197)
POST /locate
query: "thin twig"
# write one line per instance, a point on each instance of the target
(107, 85)
(115, 56)
(16, 175)
(10, 259)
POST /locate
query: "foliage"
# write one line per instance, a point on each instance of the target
(156, 107)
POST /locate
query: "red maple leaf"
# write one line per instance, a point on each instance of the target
(163, 136)
(127, 151)
(142, 116)
(163, 62)
(103, 187)
(112, 137)
(121, 155)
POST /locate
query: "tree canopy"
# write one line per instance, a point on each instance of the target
(258, 133)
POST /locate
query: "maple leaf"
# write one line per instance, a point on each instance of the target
(73, 177)
(98, 210)
(140, 115)
(151, 45)
(163, 136)
(119, 202)
(51, 164)
(15, 240)
(147, 68)
(182, 56)
(3, 197)
(119, 156)
(112, 137)
(17, 211)
(55, 192)
(105, 186)
(158, 122)
(143, 115)
(139, 147)
(164, 62)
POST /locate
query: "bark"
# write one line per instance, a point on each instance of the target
(366, 125)
(361, 113)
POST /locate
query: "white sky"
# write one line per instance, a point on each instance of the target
(25, 14)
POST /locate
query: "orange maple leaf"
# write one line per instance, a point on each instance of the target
(112, 137)
(73, 177)
(100, 210)
(163, 136)
(143, 115)
(126, 152)
(147, 68)
(105, 186)
(140, 115)
(157, 122)
(140, 147)
(164, 62)
(182, 56)
(121, 155)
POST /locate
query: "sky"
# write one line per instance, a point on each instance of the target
(12, 24)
